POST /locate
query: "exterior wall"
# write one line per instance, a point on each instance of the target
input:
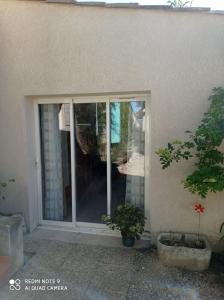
(53, 49)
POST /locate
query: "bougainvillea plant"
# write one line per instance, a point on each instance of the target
(204, 145)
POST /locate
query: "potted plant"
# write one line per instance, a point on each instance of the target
(129, 220)
(205, 146)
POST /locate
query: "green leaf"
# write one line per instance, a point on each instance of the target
(209, 180)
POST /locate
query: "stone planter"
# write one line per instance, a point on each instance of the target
(11, 244)
(184, 257)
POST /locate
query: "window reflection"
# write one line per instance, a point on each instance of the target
(127, 153)
(91, 161)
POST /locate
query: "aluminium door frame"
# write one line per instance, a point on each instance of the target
(74, 225)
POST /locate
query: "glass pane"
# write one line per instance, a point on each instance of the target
(91, 161)
(56, 162)
(127, 153)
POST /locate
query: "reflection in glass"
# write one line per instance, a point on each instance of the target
(127, 153)
(55, 161)
(91, 161)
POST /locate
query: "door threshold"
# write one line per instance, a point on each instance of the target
(64, 235)
(81, 229)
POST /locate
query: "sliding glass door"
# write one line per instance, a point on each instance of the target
(92, 157)
(90, 161)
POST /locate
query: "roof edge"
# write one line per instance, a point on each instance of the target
(130, 4)
(134, 5)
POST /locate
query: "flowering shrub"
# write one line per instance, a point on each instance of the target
(204, 145)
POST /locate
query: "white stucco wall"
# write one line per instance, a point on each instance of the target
(53, 49)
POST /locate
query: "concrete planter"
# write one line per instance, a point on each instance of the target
(184, 257)
(11, 244)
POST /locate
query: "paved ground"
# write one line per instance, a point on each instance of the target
(99, 272)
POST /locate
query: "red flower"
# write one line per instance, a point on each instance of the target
(199, 208)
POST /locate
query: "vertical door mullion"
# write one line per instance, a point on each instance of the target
(108, 158)
(147, 162)
(38, 163)
(72, 138)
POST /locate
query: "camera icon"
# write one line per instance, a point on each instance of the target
(14, 284)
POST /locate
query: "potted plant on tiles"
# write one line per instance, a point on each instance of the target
(205, 145)
(129, 220)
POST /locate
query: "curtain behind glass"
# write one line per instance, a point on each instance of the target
(51, 153)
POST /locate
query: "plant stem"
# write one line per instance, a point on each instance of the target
(199, 223)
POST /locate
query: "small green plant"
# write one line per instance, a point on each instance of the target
(204, 145)
(128, 219)
(179, 3)
(3, 186)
